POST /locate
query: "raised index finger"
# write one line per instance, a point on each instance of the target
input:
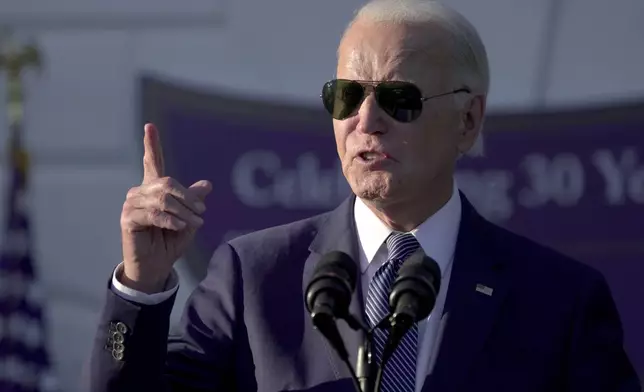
(153, 165)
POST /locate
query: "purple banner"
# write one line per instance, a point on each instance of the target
(573, 181)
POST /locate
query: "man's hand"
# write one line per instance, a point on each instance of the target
(158, 221)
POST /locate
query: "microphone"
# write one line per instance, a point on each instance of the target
(328, 296)
(412, 298)
(413, 293)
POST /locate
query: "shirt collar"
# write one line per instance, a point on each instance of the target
(436, 235)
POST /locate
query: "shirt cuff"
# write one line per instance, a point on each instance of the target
(139, 297)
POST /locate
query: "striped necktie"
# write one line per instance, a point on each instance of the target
(400, 371)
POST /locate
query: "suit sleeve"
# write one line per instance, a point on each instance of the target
(134, 349)
(598, 361)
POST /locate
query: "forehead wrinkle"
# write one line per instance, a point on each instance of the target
(388, 65)
(357, 63)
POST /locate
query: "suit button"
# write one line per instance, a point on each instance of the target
(122, 328)
(118, 355)
(118, 347)
(117, 337)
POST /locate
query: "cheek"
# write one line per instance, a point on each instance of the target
(431, 144)
(444, 126)
(340, 132)
(344, 131)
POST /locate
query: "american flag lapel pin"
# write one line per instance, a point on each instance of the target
(481, 288)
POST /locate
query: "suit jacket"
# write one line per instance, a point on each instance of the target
(549, 324)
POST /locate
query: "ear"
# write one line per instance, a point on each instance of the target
(472, 117)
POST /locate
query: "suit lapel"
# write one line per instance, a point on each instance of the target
(339, 233)
(476, 290)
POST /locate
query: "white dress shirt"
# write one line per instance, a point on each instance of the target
(437, 237)
(172, 285)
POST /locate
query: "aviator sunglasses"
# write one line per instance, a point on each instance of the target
(403, 101)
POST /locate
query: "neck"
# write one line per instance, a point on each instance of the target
(408, 213)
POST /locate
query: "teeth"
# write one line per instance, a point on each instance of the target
(369, 155)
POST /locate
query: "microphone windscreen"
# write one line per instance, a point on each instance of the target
(415, 289)
(337, 264)
(423, 267)
(333, 281)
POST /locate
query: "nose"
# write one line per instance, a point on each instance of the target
(370, 116)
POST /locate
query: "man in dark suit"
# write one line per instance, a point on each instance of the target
(409, 100)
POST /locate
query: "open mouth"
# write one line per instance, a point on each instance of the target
(371, 156)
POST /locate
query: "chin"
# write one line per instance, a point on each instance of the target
(375, 186)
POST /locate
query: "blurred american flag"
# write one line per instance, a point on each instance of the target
(24, 359)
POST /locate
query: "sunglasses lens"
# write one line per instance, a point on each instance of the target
(401, 100)
(341, 97)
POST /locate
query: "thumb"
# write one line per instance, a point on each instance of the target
(201, 189)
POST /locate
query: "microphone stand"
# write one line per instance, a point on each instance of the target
(368, 373)
(364, 367)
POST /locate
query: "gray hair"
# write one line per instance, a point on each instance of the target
(468, 52)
